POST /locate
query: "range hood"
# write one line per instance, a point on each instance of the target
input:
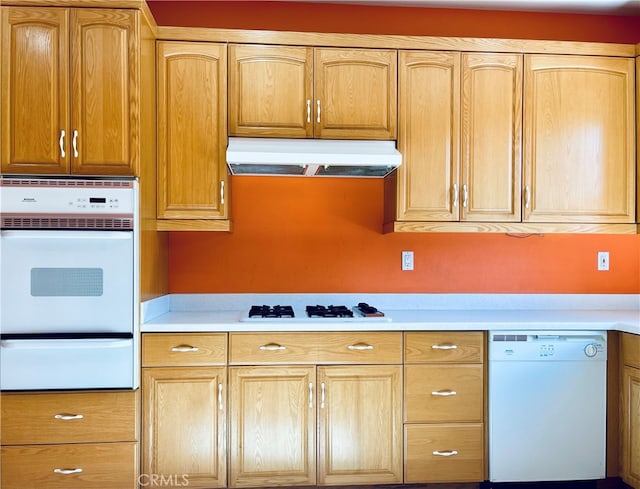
(312, 157)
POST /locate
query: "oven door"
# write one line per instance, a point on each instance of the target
(67, 281)
(47, 362)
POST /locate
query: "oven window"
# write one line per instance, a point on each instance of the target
(66, 282)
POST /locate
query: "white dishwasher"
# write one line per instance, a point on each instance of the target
(547, 405)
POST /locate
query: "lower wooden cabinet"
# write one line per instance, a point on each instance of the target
(67, 440)
(630, 410)
(70, 466)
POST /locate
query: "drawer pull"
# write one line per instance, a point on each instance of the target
(360, 346)
(445, 453)
(67, 471)
(184, 348)
(444, 347)
(272, 347)
(67, 417)
(444, 393)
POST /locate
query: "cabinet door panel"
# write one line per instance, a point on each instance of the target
(356, 89)
(35, 90)
(360, 426)
(491, 137)
(185, 424)
(105, 80)
(192, 136)
(429, 136)
(631, 426)
(272, 426)
(270, 88)
(579, 139)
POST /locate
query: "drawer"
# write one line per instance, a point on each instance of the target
(444, 453)
(443, 393)
(183, 350)
(315, 348)
(444, 347)
(630, 349)
(68, 417)
(82, 466)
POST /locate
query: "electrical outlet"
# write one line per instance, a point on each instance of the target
(407, 260)
(603, 260)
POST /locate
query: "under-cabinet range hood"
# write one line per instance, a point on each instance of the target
(312, 157)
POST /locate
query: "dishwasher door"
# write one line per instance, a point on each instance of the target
(547, 406)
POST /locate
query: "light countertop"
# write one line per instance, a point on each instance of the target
(403, 312)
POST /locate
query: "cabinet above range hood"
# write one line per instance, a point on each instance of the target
(312, 157)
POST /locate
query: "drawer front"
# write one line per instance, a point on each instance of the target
(444, 347)
(443, 393)
(444, 453)
(631, 349)
(82, 466)
(73, 417)
(315, 348)
(183, 350)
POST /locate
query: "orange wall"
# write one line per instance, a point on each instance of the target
(324, 235)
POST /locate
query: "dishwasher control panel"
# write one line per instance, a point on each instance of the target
(547, 346)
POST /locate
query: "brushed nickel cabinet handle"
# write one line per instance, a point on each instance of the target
(310, 395)
(527, 197)
(220, 405)
(455, 195)
(61, 143)
(360, 346)
(322, 396)
(308, 110)
(444, 393)
(445, 453)
(444, 347)
(184, 348)
(272, 347)
(318, 106)
(67, 417)
(221, 192)
(465, 195)
(77, 470)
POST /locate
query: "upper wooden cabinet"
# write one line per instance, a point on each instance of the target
(340, 93)
(449, 172)
(579, 139)
(70, 91)
(192, 136)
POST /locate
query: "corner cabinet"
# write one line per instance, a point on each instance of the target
(630, 409)
(305, 92)
(579, 139)
(192, 137)
(184, 409)
(70, 91)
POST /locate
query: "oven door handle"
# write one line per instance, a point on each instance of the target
(79, 343)
(79, 234)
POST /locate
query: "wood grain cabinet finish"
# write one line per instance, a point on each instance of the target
(579, 139)
(298, 384)
(630, 410)
(184, 407)
(444, 407)
(284, 91)
(69, 440)
(460, 122)
(192, 135)
(70, 91)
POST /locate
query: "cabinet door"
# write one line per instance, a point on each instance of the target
(192, 136)
(35, 90)
(429, 136)
(579, 139)
(270, 91)
(356, 93)
(105, 104)
(184, 430)
(631, 426)
(360, 425)
(491, 137)
(272, 426)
